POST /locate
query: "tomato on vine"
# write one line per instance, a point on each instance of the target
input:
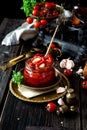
(43, 22)
(29, 20)
(35, 12)
(37, 24)
(36, 7)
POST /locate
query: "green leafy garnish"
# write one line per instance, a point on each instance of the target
(17, 77)
(28, 6)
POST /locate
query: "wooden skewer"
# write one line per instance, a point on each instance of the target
(52, 39)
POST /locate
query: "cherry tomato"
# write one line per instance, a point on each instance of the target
(48, 5)
(43, 22)
(53, 5)
(36, 7)
(45, 11)
(51, 107)
(49, 59)
(67, 72)
(84, 84)
(37, 24)
(53, 45)
(55, 13)
(35, 12)
(41, 13)
(29, 20)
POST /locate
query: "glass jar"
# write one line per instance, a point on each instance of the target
(38, 77)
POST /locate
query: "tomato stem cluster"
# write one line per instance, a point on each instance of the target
(43, 12)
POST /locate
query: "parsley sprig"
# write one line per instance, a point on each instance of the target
(17, 77)
(28, 6)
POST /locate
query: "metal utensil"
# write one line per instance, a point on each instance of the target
(15, 61)
(22, 57)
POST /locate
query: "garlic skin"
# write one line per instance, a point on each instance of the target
(79, 71)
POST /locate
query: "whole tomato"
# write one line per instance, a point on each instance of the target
(84, 84)
(53, 5)
(48, 5)
(43, 22)
(35, 12)
(51, 107)
(37, 24)
(67, 72)
(41, 13)
(29, 20)
(36, 7)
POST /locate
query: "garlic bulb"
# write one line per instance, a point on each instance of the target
(67, 63)
(63, 63)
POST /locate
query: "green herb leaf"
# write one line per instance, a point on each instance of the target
(28, 6)
(17, 77)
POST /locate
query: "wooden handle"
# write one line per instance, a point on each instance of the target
(52, 39)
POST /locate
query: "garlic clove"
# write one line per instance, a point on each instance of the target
(60, 90)
(60, 102)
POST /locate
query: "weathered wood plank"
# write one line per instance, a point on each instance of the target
(7, 53)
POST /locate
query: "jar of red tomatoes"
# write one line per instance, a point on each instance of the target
(39, 71)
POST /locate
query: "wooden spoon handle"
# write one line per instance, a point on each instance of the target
(52, 39)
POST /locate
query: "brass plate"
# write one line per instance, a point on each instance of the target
(50, 96)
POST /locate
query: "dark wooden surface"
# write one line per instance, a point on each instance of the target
(16, 114)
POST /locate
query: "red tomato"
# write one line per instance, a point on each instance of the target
(45, 11)
(36, 7)
(43, 22)
(49, 59)
(53, 5)
(41, 13)
(29, 20)
(51, 107)
(37, 24)
(67, 72)
(35, 12)
(53, 45)
(48, 5)
(84, 84)
(55, 14)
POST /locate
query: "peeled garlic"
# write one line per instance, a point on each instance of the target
(60, 90)
(36, 60)
(42, 65)
(60, 102)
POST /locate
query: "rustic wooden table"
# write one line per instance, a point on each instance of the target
(16, 114)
